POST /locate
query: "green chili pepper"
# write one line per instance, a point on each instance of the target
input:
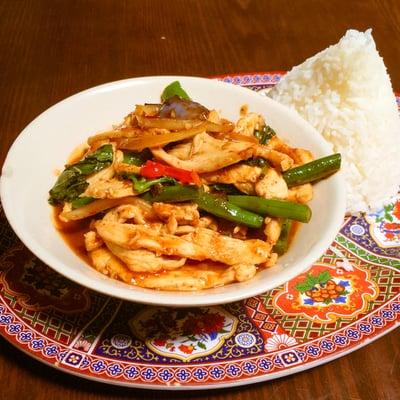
(273, 208)
(313, 171)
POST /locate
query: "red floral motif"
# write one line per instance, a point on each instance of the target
(160, 342)
(206, 323)
(396, 210)
(183, 333)
(385, 224)
(186, 349)
(360, 289)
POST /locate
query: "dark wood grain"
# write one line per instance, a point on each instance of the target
(51, 49)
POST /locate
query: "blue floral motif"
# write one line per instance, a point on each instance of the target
(131, 372)
(98, 366)
(5, 319)
(327, 345)
(62, 355)
(25, 336)
(344, 283)
(114, 369)
(377, 321)
(265, 364)
(245, 339)
(233, 370)
(200, 373)
(14, 328)
(51, 350)
(38, 344)
(341, 340)
(353, 334)
(340, 299)
(249, 367)
(182, 375)
(308, 301)
(302, 355)
(365, 328)
(313, 350)
(277, 361)
(165, 375)
(396, 306)
(388, 314)
(148, 374)
(84, 363)
(217, 372)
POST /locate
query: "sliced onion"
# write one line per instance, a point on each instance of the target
(111, 135)
(150, 110)
(95, 207)
(238, 137)
(173, 124)
(148, 139)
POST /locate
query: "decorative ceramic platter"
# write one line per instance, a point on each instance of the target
(348, 298)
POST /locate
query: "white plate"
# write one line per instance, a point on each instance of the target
(44, 145)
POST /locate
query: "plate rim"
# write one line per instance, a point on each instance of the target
(203, 386)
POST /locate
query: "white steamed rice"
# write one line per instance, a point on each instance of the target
(346, 94)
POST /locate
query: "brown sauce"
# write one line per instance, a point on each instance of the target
(73, 233)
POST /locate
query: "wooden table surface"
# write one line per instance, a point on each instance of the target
(51, 49)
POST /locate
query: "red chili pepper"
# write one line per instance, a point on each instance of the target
(153, 169)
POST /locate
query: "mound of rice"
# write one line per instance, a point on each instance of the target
(346, 94)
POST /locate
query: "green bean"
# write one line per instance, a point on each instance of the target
(176, 193)
(207, 202)
(273, 208)
(226, 210)
(282, 244)
(313, 170)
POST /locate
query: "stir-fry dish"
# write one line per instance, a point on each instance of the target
(178, 198)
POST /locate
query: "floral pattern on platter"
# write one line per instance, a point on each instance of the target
(384, 224)
(37, 286)
(326, 293)
(183, 334)
(67, 328)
